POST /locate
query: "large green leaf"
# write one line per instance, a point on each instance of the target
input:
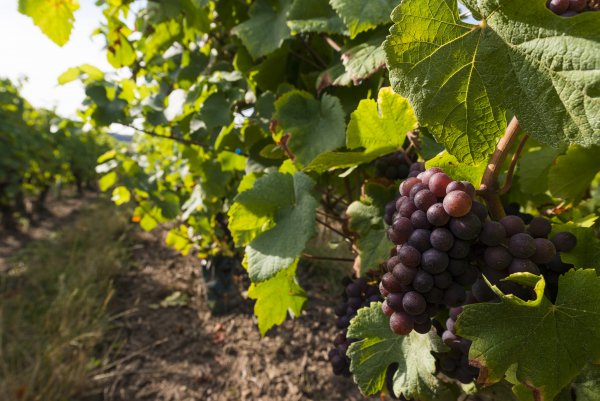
(276, 297)
(587, 252)
(314, 16)
(266, 29)
(54, 17)
(373, 245)
(571, 175)
(377, 128)
(378, 347)
(360, 15)
(315, 126)
(545, 345)
(533, 169)
(277, 216)
(362, 60)
(462, 78)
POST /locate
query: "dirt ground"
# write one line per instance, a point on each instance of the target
(181, 352)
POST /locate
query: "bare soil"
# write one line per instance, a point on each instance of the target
(184, 353)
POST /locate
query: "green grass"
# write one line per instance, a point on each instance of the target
(53, 306)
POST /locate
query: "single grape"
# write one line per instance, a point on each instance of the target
(539, 227)
(409, 256)
(443, 280)
(447, 364)
(395, 236)
(394, 301)
(513, 225)
(469, 188)
(407, 185)
(438, 183)
(390, 210)
(437, 216)
(424, 199)
(467, 227)
(353, 290)
(564, 241)
(343, 322)
(414, 303)
(401, 323)
(387, 310)
(482, 292)
(455, 186)
(390, 283)
(545, 251)
(521, 245)
(406, 208)
(454, 312)
(416, 189)
(558, 6)
(403, 274)
(403, 227)
(523, 266)
(382, 290)
(423, 281)
(423, 328)
(456, 267)
(419, 220)
(434, 296)
(480, 210)
(492, 233)
(339, 339)
(421, 318)
(497, 257)
(450, 325)
(455, 295)
(420, 240)
(340, 310)
(442, 239)
(449, 337)
(460, 249)
(457, 203)
(391, 262)
(434, 261)
(468, 277)
(355, 302)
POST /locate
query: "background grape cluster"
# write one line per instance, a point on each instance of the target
(395, 166)
(569, 8)
(357, 294)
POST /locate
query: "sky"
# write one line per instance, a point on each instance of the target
(26, 52)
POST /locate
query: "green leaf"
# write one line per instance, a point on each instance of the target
(462, 78)
(54, 17)
(533, 169)
(378, 347)
(571, 175)
(373, 244)
(378, 128)
(458, 170)
(362, 60)
(315, 126)
(74, 73)
(314, 16)
(547, 345)
(107, 181)
(360, 15)
(266, 29)
(276, 297)
(278, 216)
(120, 195)
(587, 252)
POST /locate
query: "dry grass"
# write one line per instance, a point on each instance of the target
(53, 306)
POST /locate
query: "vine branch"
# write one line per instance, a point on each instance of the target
(335, 230)
(157, 135)
(313, 257)
(489, 184)
(513, 164)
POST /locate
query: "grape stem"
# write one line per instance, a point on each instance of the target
(313, 257)
(489, 190)
(513, 164)
(335, 230)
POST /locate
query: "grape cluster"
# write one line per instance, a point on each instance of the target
(395, 166)
(455, 363)
(357, 294)
(510, 246)
(569, 8)
(433, 224)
